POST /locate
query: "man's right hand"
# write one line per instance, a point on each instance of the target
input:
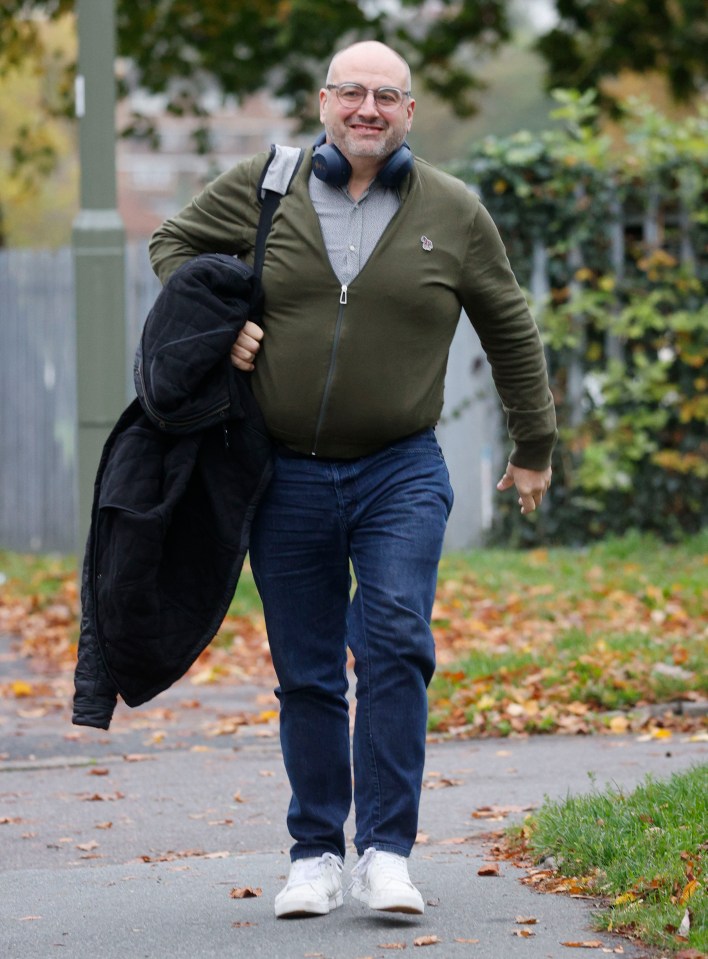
(248, 343)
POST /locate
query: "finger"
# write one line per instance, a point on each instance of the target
(252, 329)
(505, 482)
(528, 503)
(241, 364)
(247, 343)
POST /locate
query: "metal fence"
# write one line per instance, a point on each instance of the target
(38, 500)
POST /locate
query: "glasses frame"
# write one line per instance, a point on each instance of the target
(366, 91)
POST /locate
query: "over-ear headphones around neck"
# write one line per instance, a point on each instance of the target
(330, 165)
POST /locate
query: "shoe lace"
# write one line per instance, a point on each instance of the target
(311, 868)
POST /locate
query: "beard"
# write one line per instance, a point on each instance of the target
(350, 144)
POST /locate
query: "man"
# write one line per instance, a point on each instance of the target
(370, 258)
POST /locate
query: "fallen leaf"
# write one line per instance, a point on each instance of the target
(466, 940)
(28, 918)
(392, 945)
(98, 797)
(588, 944)
(624, 898)
(426, 941)
(490, 870)
(87, 846)
(137, 757)
(688, 891)
(183, 854)
(526, 920)
(685, 927)
(241, 925)
(619, 724)
(661, 733)
(524, 933)
(98, 772)
(20, 688)
(104, 825)
(267, 715)
(442, 783)
(246, 892)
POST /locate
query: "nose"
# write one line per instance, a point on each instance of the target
(369, 103)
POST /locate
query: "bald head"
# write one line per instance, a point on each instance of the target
(373, 57)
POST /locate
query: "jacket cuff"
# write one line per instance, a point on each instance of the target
(534, 454)
(97, 717)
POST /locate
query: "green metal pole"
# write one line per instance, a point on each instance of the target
(99, 252)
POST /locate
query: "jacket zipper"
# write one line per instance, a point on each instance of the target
(332, 364)
(164, 422)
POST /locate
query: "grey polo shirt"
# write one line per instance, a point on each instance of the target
(352, 228)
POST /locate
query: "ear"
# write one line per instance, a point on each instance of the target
(409, 112)
(323, 102)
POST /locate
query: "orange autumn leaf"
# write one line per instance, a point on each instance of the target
(588, 944)
(246, 892)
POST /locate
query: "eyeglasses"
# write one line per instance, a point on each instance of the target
(353, 95)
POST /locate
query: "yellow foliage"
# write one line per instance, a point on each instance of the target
(38, 210)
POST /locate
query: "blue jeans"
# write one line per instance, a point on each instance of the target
(386, 513)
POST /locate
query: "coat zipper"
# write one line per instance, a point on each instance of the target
(332, 364)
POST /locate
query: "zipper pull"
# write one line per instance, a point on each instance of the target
(343, 295)
(227, 445)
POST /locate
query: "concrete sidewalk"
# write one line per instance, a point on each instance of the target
(130, 843)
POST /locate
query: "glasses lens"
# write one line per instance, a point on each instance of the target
(388, 97)
(351, 94)
(354, 94)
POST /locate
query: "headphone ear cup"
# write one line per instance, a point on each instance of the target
(330, 165)
(398, 165)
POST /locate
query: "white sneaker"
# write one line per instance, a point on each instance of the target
(380, 879)
(314, 887)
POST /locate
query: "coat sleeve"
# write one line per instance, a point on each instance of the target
(223, 218)
(95, 693)
(510, 338)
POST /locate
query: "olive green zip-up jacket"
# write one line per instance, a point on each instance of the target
(345, 370)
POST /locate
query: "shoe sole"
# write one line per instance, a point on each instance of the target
(305, 908)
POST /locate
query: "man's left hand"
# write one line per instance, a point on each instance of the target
(531, 484)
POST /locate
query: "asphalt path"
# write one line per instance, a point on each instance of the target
(165, 837)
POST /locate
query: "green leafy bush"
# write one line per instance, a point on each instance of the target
(610, 235)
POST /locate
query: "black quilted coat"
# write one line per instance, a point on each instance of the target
(176, 490)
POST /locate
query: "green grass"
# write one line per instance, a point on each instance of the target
(35, 574)
(645, 851)
(626, 561)
(613, 627)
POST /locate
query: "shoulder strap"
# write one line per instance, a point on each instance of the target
(280, 168)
